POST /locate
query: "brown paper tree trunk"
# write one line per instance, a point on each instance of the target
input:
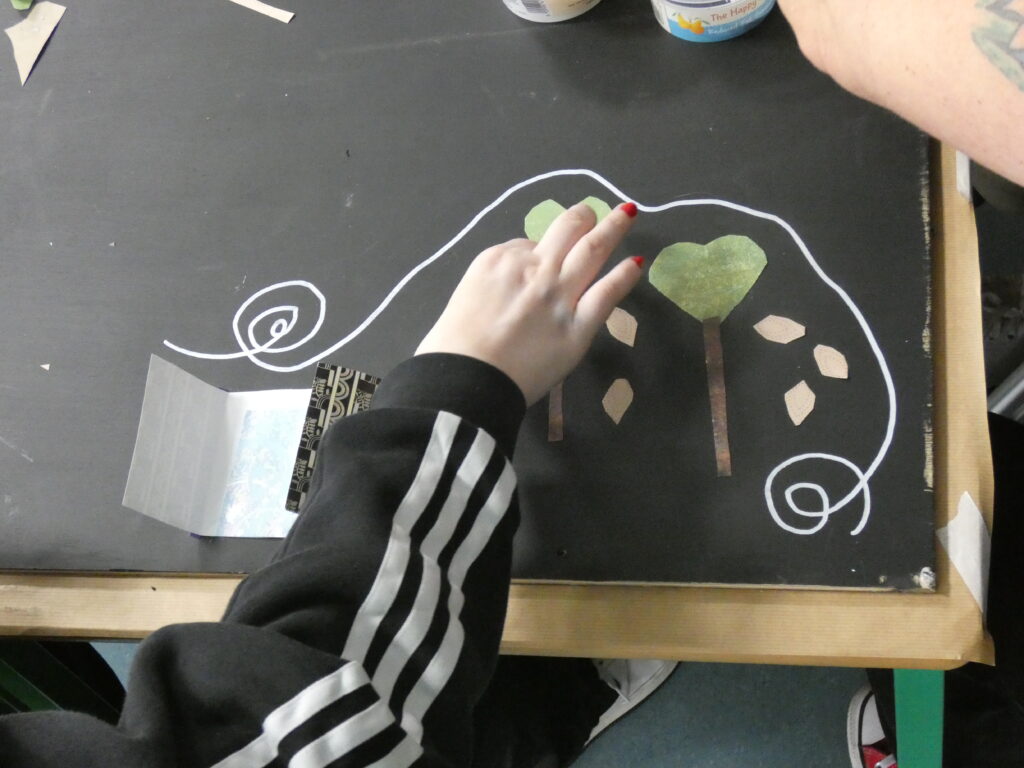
(556, 420)
(716, 391)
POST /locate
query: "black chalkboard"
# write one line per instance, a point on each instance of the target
(167, 160)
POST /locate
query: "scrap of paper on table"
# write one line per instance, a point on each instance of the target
(211, 462)
(30, 35)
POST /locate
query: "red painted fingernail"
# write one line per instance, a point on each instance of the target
(629, 209)
(639, 261)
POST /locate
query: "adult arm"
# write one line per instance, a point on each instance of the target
(954, 68)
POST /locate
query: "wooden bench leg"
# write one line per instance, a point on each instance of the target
(919, 701)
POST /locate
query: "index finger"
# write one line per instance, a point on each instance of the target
(564, 232)
(588, 255)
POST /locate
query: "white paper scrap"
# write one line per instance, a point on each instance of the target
(967, 540)
(30, 35)
(212, 462)
(266, 10)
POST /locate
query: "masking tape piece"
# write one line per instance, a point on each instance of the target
(266, 10)
(967, 541)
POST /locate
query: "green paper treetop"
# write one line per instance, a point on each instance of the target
(707, 282)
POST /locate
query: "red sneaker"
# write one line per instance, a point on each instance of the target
(864, 735)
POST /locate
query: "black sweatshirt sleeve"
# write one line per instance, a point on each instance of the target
(373, 631)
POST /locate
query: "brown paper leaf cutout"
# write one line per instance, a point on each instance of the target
(799, 402)
(779, 329)
(556, 414)
(617, 399)
(831, 362)
(622, 326)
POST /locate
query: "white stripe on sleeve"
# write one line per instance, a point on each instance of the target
(343, 738)
(356, 730)
(294, 712)
(416, 624)
(396, 558)
(440, 668)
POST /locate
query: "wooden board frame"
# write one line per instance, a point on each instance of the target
(837, 628)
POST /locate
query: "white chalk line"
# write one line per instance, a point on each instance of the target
(18, 450)
(281, 327)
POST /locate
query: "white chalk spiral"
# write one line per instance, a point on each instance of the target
(287, 317)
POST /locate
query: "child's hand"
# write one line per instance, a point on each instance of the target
(531, 310)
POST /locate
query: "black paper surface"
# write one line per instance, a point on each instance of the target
(165, 161)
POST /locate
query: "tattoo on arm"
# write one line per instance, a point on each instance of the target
(1000, 37)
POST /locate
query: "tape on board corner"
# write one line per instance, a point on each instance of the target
(968, 543)
(963, 175)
